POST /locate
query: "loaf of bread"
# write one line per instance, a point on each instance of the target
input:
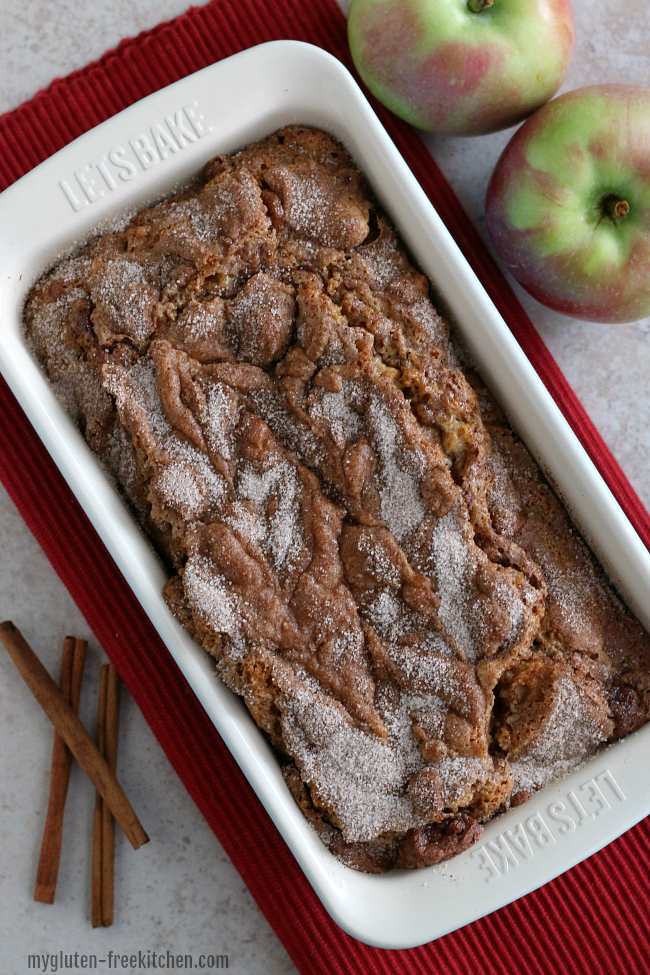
(349, 524)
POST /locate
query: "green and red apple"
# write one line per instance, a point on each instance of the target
(462, 67)
(568, 204)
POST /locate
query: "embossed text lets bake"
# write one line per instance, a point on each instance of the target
(123, 163)
(537, 832)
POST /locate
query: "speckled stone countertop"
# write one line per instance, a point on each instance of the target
(181, 892)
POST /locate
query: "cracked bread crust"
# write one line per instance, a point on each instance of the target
(351, 528)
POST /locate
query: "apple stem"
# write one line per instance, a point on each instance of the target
(615, 208)
(477, 5)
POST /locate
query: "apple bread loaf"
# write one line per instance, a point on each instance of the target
(350, 526)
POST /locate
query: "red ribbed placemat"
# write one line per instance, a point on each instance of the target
(593, 918)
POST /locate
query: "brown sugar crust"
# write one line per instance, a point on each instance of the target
(351, 528)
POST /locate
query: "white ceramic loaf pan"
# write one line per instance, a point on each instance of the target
(120, 167)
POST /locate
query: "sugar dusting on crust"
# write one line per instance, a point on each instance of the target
(570, 735)
(211, 597)
(280, 532)
(361, 776)
(187, 480)
(451, 568)
(343, 423)
(402, 506)
(219, 419)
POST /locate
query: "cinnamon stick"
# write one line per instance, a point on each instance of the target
(78, 664)
(97, 865)
(72, 667)
(73, 732)
(96, 883)
(111, 733)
